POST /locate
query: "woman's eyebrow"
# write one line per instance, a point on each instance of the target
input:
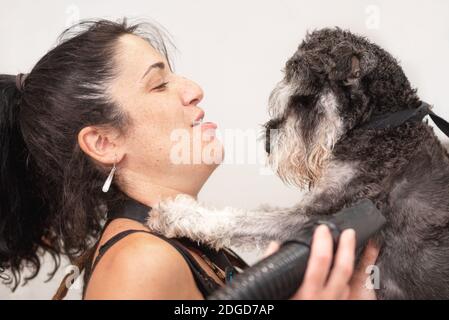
(157, 65)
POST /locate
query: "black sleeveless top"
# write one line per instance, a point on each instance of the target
(226, 259)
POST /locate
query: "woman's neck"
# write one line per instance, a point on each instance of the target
(144, 190)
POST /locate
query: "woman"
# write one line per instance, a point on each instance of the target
(97, 112)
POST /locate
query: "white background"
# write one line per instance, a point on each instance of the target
(235, 51)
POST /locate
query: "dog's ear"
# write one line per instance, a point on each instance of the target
(368, 62)
(348, 64)
(355, 73)
(342, 62)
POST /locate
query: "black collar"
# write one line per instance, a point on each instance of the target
(130, 209)
(395, 119)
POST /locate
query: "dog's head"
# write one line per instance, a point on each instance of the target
(334, 82)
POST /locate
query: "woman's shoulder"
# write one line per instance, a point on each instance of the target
(140, 266)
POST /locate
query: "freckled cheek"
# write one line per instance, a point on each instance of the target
(148, 145)
(155, 119)
(155, 123)
(166, 115)
(154, 133)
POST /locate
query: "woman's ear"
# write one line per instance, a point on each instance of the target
(103, 145)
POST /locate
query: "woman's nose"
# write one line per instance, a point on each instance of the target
(191, 93)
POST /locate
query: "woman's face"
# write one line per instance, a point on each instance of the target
(164, 142)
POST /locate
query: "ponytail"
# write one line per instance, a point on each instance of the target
(22, 213)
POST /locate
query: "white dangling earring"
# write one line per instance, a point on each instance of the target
(107, 183)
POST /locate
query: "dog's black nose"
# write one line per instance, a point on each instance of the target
(273, 124)
(267, 140)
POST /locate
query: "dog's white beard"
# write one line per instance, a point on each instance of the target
(296, 162)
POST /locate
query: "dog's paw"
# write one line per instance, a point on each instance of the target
(173, 217)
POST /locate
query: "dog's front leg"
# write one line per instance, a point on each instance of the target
(185, 217)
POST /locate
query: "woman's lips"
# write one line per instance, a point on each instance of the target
(208, 130)
(208, 126)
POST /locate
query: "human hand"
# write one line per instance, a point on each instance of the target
(359, 291)
(320, 281)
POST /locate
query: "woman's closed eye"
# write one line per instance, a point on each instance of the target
(160, 87)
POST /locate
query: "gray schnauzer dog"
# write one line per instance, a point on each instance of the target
(317, 139)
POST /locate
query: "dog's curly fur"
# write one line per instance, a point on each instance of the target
(335, 82)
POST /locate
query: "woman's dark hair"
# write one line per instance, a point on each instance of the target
(51, 198)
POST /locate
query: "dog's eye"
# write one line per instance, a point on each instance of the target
(304, 101)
